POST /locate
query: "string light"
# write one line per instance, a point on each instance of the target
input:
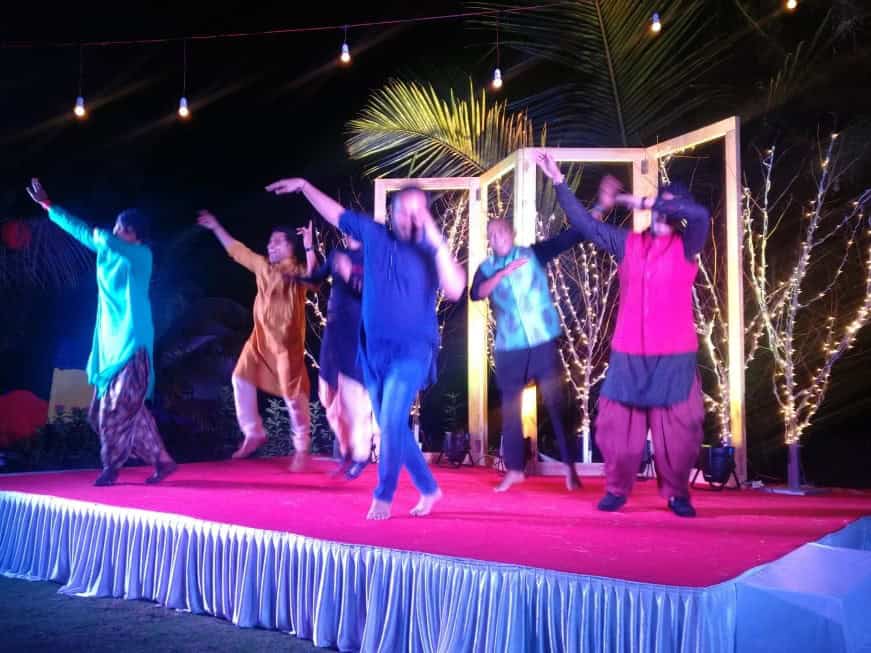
(79, 109)
(655, 24)
(345, 56)
(497, 72)
(791, 5)
(183, 110)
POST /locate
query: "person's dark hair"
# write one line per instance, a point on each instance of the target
(679, 191)
(137, 221)
(292, 239)
(289, 232)
(676, 188)
(407, 189)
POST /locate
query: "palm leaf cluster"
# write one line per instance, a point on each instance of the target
(407, 129)
(620, 84)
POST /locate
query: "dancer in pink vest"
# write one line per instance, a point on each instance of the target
(652, 382)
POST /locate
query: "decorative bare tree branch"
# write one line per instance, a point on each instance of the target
(806, 327)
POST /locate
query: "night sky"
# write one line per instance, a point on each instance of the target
(263, 108)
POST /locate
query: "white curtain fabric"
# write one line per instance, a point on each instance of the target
(347, 596)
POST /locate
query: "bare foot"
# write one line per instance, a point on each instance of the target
(249, 446)
(427, 501)
(511, 478)
(299, 462)
(379, 510)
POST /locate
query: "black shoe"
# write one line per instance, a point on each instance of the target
(161, 471)
(681, 507)
(611, 502)
(355, 469)
(107, 477)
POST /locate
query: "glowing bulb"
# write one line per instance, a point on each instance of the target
(791, 5)
(655, 25)
(345, 57)
(183, 111)
(79, 109)
(497, 79)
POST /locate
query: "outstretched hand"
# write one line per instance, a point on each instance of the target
(549, 167)
(307, 234)
(284, 186)
(207, 220)
(37, 193)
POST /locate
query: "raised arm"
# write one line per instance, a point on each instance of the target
(605, 236)
(697, 217)
(329, 208)
(547, 250)
(137, 253)
(698, 222)
(452, 276)
(237, 251)
(308, 240)
(76, 228)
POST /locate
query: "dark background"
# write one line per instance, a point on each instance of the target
(271, 107)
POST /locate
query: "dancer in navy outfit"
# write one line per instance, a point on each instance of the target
(341, 387)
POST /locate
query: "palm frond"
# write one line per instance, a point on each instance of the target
(799, 69)
(627, 87)
(408, 128)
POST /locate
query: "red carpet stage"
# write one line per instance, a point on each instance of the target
(642, 556)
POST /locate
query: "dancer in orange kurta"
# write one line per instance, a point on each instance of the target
(273, 359)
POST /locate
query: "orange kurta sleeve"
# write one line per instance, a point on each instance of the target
(246, 258)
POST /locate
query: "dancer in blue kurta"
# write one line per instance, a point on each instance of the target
(120, 366)
(403, 269)
(514, 278)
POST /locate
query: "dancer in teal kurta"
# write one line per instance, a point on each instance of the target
(120, 366)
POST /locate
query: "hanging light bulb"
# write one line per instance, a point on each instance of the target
(497, 79)
(655, 25)
(791, 5)
(497, 72)
(79, 109)
(345, 56)
(183, 111)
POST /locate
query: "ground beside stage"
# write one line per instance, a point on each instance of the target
(36, 618)
(537, 524)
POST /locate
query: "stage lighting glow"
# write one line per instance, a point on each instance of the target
(791, 5)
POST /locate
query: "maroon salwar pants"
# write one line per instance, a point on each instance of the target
(621, 431)
(124, 423)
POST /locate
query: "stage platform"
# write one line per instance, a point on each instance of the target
(534, 569)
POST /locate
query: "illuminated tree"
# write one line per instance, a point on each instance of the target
(811, 315)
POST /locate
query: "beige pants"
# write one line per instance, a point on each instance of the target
(248, 414)
(349, 414)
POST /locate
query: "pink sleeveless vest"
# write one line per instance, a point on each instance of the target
(655, 315)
